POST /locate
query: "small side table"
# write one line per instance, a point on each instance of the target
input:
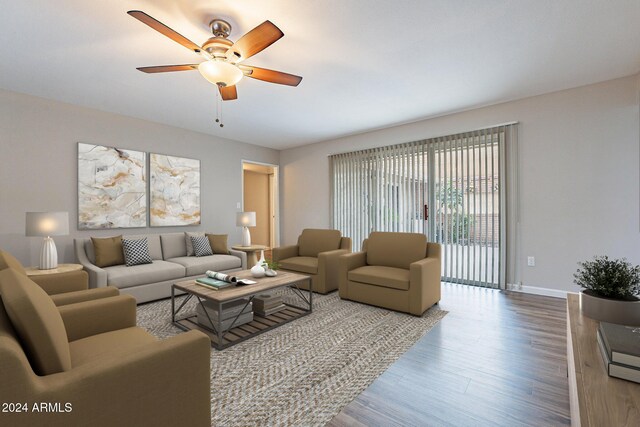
(252, 259)
(62, 268)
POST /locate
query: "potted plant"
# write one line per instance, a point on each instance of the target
(270, 267)
(611, 288)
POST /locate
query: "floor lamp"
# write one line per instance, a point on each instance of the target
(47, 224)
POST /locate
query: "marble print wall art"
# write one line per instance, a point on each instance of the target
(112, 188)
(174, 191)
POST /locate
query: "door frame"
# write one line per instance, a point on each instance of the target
(275, 232)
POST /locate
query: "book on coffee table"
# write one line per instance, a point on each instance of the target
(270, 311)
(622, 343)
(617, 370)
(213, 283)
(265, 302)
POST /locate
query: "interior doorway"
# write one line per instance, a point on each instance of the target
(260, 195)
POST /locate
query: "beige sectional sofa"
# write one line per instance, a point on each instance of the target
(148, 282)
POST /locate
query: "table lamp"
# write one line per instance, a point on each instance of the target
(246, 220)
(47, 224)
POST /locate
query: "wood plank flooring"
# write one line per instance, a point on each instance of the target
(497, 358)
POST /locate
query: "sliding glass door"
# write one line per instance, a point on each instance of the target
(450, 188)
(464, 196)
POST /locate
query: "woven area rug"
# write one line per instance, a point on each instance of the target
(304, 372)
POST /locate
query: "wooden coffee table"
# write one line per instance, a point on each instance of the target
(221, 339)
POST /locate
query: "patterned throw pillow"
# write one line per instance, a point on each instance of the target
(188, 235)
(136, 251)
(201, 246)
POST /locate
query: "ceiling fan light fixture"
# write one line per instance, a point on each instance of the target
(220, 73)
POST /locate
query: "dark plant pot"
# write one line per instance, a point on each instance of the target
(610, 310)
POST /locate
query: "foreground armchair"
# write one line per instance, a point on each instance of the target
(398, 271)
(63, 288)
(316, 254)
(87, 364)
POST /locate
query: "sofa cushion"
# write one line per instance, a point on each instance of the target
(388, 277)
(173, 245)
(189, 243)
(201, 246)
(136, 252)
(153, 240)
(199, 265)
(122, 276)
(396, 249)
(121, 341)
(108, 251)
(9, 261)
(218, 243)
(313, 241)
(37, 322)
(303, 264)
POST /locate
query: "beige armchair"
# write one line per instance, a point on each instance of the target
(316, 254)
(398, 271)
(63, 288)
(89, 365)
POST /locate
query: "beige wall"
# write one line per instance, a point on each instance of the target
(578, 165)
(38, 167)
(256, 199)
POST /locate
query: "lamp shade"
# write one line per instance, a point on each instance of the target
(246, 219)
(45, 224)
(220, 73)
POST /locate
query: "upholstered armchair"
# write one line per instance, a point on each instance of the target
(63, 288)
(316, 254)
(89, 365)
(398, 271)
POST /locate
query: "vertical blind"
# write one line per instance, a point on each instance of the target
(466, 200)
(381, 189)
(450, 188)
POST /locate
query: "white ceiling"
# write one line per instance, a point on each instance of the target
(366, 64)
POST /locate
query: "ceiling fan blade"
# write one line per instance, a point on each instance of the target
(271, 76)
(168, 68)
(163, 29)
(256, 40)
(228, 93)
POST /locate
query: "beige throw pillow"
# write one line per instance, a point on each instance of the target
(218, 243)
(108, 251)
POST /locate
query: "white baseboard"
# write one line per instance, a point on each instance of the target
(548, 292)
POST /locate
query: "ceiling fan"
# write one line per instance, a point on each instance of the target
(223, 57)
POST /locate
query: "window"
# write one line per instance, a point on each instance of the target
(448, 188)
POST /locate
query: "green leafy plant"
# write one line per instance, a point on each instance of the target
(270, 264)
(458, 225)
(611, 278)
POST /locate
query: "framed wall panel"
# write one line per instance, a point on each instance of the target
(112, 188)
(174, 191)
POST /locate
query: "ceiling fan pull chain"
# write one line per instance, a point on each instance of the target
(219, 110)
